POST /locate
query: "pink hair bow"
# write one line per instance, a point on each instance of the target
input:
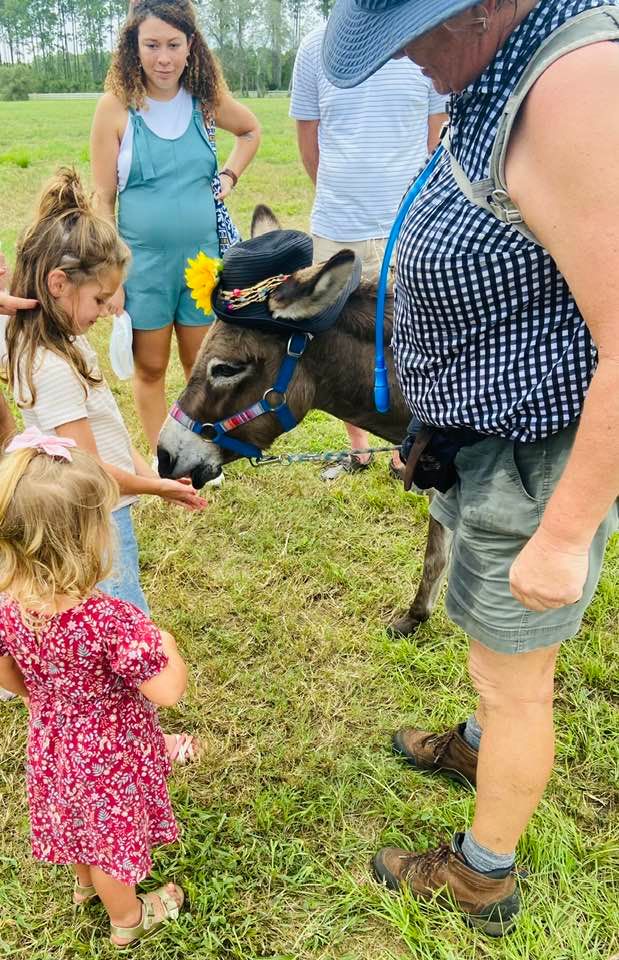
(33, 439)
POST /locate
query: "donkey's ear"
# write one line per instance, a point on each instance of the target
(308, 292)
(263, 221)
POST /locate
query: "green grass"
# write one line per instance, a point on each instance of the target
(278, 594)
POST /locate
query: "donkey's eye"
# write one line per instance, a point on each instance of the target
(226, 369)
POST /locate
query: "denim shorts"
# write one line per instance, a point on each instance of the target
(493, 510)
(156, 294)
(124, 583)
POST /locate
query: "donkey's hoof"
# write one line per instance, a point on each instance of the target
(404, 626)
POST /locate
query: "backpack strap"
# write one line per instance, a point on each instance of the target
(591, 26)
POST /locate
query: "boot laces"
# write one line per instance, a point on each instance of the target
(425, 864)
(439, 743)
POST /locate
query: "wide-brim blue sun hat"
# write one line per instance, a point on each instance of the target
(362, 35)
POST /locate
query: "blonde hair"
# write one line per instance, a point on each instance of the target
(56, 534)
(66, 235)
(202, 77)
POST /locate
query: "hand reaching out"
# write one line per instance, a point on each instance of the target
(181, 493)
(9, 304)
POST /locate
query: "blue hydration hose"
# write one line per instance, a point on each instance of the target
(381, 384)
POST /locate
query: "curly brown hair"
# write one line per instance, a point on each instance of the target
(202, 77)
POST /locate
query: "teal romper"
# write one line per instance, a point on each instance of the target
(166, 214)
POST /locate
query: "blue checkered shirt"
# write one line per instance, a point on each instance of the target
(487, 334)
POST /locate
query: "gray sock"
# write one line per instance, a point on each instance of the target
(482, 859)
(472, 732)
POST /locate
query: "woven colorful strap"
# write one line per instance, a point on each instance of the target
(177, 414)
(244, 416)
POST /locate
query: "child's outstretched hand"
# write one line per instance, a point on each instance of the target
(182, 493)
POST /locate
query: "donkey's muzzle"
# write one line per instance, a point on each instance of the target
(165, 463)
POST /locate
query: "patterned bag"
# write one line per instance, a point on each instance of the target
(228, 233)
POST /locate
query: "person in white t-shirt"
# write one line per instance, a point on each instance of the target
(361, 148)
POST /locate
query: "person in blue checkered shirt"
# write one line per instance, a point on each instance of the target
(507, 324)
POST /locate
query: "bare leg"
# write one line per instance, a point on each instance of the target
(435, 563)
(84, 878)
(517, 747)
(189, 341)
(122, 904)
(397, 461)
(151, 354)
(358, 440)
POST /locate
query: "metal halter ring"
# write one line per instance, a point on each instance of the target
(206, 429)
(274, 406)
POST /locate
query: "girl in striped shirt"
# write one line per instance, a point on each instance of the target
(71, 261)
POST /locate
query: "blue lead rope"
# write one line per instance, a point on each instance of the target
(381, 384)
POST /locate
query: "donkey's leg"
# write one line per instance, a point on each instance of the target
(435, 563)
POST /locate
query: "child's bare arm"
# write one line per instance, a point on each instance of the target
(167, 687)
(172, 491)
(11, 677)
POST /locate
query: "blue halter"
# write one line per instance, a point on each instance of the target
(381, 384)
(273, 401)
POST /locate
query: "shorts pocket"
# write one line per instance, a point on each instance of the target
(527, 465)
(493, 499)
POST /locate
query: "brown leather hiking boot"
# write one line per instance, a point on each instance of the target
(488, 901)
(447, 753)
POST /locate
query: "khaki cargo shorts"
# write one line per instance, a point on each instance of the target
(493, 510)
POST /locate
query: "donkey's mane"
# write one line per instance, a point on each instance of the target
(358, 317)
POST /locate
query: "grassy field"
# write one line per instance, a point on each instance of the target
(278, 595)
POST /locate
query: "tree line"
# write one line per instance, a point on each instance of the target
(50, 46)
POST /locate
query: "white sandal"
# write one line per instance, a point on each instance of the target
(150, 923)
(185, 749)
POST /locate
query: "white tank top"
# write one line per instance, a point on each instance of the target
(168, 119)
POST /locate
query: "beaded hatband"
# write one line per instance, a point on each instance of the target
(236, 299)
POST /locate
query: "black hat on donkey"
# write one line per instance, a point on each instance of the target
(256, 288)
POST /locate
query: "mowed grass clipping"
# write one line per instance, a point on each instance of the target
(278, 595)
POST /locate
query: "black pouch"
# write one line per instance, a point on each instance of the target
(430, 454)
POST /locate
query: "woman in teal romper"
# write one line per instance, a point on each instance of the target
(164, 74)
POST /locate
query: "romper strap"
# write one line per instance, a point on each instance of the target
(141, 146)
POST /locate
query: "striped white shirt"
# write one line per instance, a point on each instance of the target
(372, 140)
(487, 334)
(61, 398)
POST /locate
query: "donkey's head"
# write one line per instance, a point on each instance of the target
(236, 367)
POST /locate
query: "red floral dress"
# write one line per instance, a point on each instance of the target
(97, 764)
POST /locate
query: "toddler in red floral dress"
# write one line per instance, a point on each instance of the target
(94, 668)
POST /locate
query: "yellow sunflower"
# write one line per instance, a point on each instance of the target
(201, 276)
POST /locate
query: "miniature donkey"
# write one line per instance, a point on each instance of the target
(236, 366)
